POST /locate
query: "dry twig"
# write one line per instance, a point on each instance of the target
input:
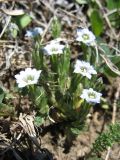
(107, 19)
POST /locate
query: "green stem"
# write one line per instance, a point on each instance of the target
(31, 90)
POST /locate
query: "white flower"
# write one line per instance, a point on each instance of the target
(54, 48)
(34, 32)
(85, 36)
(91, 96)
(84, 68)
(27, 77)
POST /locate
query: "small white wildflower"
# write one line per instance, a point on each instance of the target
(34, 32)
(84, 68)
(85, 36)
(27, 77)
(54, 48)
(91, 96)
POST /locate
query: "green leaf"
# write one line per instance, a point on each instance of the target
(41, 100)
(76, 127)
(37, 56)
(6, 110)
(115, 19)
(56, 28)
(106, 49)
(14, 33)
(75, 131)
(63, 68)
(39, 120)
(2, 94)
(96, 22)
(23, 20)
(112, 4)
(82, 1)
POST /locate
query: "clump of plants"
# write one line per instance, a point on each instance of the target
(61, 90)
(108, 138)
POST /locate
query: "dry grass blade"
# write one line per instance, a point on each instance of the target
(26, 121)
(110, 64)
(8, 21)
(16, 12)
(106, 19)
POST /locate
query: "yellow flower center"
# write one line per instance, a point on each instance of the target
(91, 95)
(85, 36)
(29, 78)
(83, 69)
(54, 49)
